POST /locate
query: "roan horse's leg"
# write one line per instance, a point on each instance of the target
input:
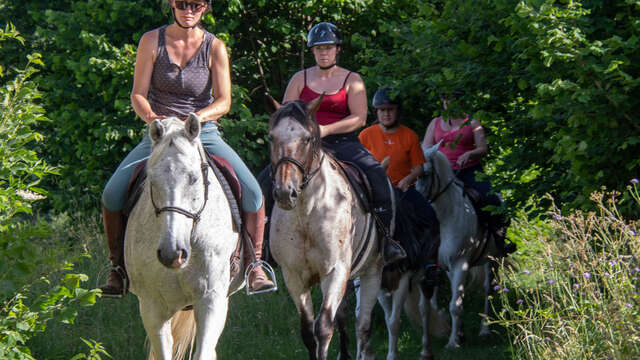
(342, 318)
(158, 327)
(333, 289)
(457, 276)
(369, 288)
(211, 314)
(301, 296)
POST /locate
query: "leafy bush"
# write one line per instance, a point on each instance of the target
(576, 296)
(27, 300)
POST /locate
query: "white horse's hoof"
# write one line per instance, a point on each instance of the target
(484, 333)
(452, 345)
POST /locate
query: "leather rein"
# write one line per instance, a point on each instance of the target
(435, 179)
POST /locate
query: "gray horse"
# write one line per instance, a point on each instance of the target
(464, 242)
(179, 240)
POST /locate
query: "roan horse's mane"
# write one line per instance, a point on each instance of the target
(298, 111)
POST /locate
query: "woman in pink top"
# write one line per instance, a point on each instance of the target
(464, 144)
(342, 112)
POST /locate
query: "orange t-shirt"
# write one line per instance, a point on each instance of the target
(402, 146)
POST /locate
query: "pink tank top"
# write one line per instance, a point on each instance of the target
(461, 139)
(333, 107)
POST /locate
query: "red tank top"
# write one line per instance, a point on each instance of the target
(333, 107)
(461, 138)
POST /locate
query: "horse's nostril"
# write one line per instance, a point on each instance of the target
(294, 194)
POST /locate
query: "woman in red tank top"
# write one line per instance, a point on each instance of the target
(342, 112)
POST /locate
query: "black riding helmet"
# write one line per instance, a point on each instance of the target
(324, 33)
(455, 94)
(381, 97)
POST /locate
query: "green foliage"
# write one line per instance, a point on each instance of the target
(576, 295)
(27, 300)
(552, 83)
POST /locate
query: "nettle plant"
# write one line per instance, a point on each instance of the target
(576, 295)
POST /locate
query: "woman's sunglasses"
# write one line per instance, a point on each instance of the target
(194, 6)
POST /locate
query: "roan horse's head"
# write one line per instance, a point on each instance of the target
(295, 140)
(177, 185)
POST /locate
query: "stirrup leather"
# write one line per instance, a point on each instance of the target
(270, 274)
(125, 283)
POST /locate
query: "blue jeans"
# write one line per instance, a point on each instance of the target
(115, 192)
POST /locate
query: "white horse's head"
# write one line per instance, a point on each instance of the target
(436, 171)
(177, 184)
(295, 140)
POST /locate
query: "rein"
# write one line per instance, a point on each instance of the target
(192, 215)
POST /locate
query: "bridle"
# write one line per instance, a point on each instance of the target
(195, 216)
(307, 174)
(434, 179)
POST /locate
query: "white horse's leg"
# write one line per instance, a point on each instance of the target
(301, 296)
(333, 288)
(157, 324)
(457, 276)
(484, 328)
(392, 318)
(369, 288)
(211, 315)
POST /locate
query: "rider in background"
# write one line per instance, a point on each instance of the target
(342, 112)
(177, 67)
(392, 142)
(464, 144)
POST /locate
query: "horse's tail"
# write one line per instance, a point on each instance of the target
(183, 330)
(438, 320)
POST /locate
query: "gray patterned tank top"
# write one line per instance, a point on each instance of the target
(177, 92)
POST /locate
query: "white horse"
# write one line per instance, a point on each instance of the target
(463, 241)
(320, 234)
(179, 240)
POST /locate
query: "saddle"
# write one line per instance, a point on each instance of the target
(359, 183)
(228, 181)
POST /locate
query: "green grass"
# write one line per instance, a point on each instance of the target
(262, 326)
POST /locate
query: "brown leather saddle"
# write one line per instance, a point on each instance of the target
(230, 185)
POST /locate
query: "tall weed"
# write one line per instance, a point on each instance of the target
(577, 295)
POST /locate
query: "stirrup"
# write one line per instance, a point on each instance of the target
(270, 274)
(125, 283)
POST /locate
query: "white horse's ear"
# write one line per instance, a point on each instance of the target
(272, 104)
(314, 105)
(192, 126)
(431, 149)
(156, 130)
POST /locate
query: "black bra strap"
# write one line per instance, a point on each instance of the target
(305, 77)
(346, 78)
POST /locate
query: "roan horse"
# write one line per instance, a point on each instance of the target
(319, 232)
(179, 240)
(464, 242)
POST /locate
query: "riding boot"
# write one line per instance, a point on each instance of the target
(392, 251)
(254, 224)
(114, 232)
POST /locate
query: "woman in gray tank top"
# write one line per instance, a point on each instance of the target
(177, 68)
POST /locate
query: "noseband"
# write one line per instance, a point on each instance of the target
(195, 216)
(306, 175)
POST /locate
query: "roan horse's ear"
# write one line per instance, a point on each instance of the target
(313, 105)
(192, 126)
(272, 104)
(156, 130)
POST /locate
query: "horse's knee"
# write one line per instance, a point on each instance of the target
(324, 326)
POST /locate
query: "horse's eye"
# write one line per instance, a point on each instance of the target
(307, 140)
(270, 137)
(192, 179)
